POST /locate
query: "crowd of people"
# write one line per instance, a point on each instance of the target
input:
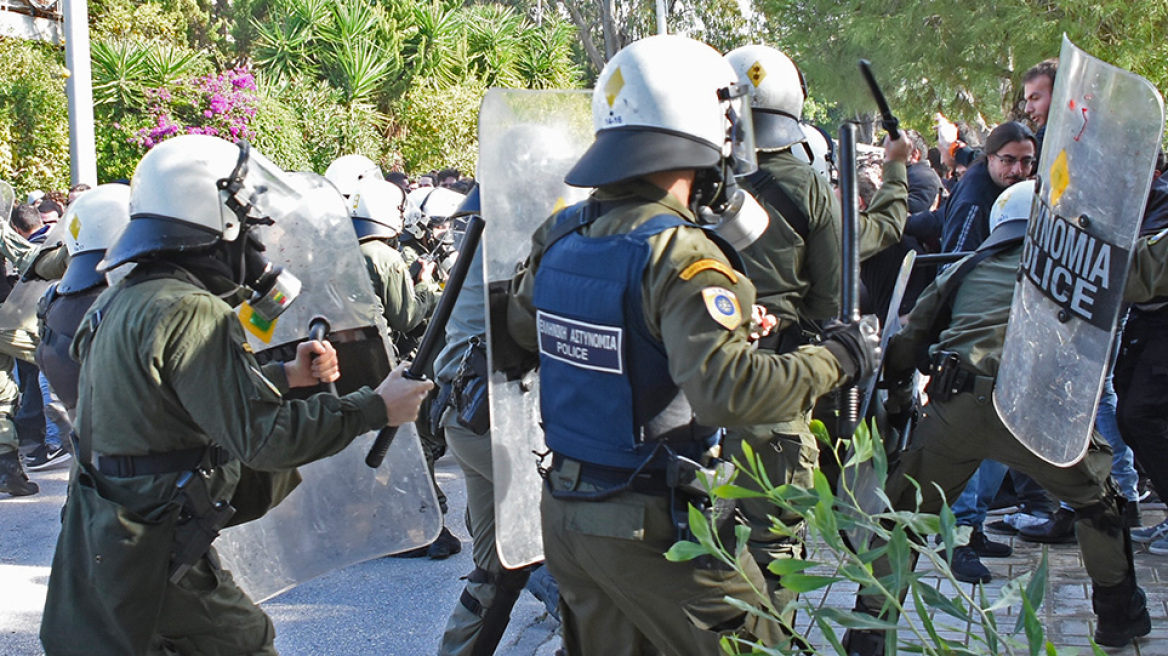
(684, 315)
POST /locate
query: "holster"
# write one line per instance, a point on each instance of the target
(946, 376)
(691, 482)
(199, 523)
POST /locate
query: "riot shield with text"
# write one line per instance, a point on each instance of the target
(343, 512)
(527, 142)
(1096, 167)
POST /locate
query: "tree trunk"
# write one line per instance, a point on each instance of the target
(582, 28)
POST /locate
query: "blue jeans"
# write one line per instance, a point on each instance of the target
(56, 431)
(973, 504)
(1123, 467)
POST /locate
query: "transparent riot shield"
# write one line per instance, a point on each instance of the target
(7, 198)
(343, 512)
(1094, 173)
(859, 479)
(527, 142)
(19, 334)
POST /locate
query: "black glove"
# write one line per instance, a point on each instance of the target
(855, 345)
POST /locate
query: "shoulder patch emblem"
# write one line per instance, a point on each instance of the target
(709, 265)
(723, 307)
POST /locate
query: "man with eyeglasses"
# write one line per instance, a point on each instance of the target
(1010, 153)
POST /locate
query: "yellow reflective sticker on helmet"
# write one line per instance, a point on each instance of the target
(613, 87)
(75, 226)
(1060, 177)
(255, 324)
(756, 73)
(709, 265)
(723, 307)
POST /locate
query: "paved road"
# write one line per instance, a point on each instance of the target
(399, 607)
(386, 606)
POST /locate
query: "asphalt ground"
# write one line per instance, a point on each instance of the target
(400, 606)
(392, 606)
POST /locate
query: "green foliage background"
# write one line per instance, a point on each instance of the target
(401, 80)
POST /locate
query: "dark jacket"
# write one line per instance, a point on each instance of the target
(923, 187)
(965, 224)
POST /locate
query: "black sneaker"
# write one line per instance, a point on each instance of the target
(986, 548)
(967, 566)
(47, 457)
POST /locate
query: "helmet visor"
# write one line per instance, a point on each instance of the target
(739, 147)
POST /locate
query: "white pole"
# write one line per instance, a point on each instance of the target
(79, 86)
(661, 27)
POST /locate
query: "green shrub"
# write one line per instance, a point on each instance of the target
(34, 116)
(437, 127)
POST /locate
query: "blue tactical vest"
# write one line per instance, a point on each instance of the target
(606, 395)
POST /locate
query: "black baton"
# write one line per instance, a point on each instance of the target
(850, 255)
(434, 331)
(318, 328)
(887, 118)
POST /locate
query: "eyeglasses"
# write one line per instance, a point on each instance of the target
(1010, 161)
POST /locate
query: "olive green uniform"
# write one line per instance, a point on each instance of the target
(1148, 277)
(800, 279)
(955, 435)
(619, 595)
(167, 369)
(404, 304)
(20, 252)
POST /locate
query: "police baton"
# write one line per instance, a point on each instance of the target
(887, 118)
(850, 252)
(435, 331)
(318, 328)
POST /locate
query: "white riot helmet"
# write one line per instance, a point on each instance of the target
(1013, 204)
(665, 103)
(92, 223)
(430, 206)
(203, 194)
(347, 171)
(818, 150)
(378, 209)
(777, 92)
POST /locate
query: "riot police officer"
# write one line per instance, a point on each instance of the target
(637, 314)
(960, 322)
(98, 217)
(174, 414)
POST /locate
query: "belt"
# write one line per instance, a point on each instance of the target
(648, 481)
(965, 381)
(173, 462)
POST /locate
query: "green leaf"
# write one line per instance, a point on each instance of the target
(786, 566)
(807, 582)
(1036, 587)
(1035, 634)
(685, 550)
(935, 599)
(730, 491)
(850, 619)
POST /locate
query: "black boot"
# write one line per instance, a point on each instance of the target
(13, 480)
(1122, 613)
(863, 643)
(445, 546)
(1060, 528)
